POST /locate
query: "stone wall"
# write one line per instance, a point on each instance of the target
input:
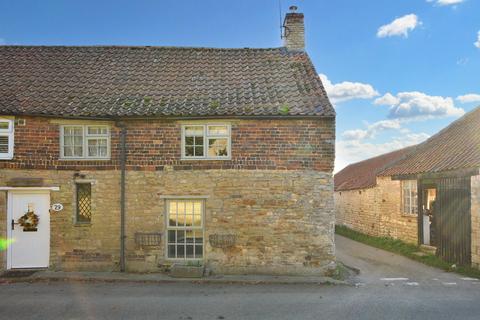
(376, 211)
(283, 220)
(475, 207)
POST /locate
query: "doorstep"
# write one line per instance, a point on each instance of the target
(41, 276)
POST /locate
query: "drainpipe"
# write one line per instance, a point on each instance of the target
(123, 158)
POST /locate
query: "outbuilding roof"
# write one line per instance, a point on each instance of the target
(111, 81)
(455, 147)
(363, 174)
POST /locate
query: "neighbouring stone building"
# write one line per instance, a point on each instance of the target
(436, 182)
(137, 158)
(372, 205)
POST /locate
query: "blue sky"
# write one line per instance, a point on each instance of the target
(424, 54)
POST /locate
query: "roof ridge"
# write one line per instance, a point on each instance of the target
(145, 47)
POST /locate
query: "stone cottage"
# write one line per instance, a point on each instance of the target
(439, 187)
(371, 204)
(139, 158)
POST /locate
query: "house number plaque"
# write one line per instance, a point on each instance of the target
(57, 207)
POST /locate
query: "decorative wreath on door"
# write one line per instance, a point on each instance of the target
(29, 221)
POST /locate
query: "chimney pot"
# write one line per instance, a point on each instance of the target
(294, 30)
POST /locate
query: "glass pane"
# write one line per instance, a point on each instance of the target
(189, 207)
(180, 251)
(217, 130)
(83, 205)
(188, 220)
(4, 125)
(194, 131)
(190, 252)
(97, 130)
(198, 251)
(180, 236)
(199, 151)
(190, 236)
(68, 131)
(3, 144)
(199, 237)
(68, 141)
(68, 152)
(197, 207)
(78, 140)
(198, 141)
(189, 151)
(197, 221)
(78, 131)
(172, 215)
(92, 151)
(171, 251)
(181, 213)
(102, 151)
(217, 147)
(189, 141)
(171, 236)
(78, 151)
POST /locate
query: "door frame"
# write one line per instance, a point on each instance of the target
(20, 190)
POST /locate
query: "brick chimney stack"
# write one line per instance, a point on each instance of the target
(294, 30)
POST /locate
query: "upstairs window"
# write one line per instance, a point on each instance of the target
(6, 139)
(410, 198)
(210, 141)
(85, 142)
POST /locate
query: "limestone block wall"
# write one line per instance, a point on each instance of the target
(358, 210)
(283, 220)
(393, 222)
(376, 211)
(475, 207)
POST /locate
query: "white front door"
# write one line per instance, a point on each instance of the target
(29, 247)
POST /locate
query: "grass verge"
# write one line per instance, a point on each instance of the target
(407, 250)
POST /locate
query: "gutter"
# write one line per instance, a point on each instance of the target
(123, 158)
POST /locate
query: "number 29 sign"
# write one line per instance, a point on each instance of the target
(57, 207)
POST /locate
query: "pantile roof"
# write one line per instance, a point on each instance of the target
(363, 174)
(159, 81)
(455, 147)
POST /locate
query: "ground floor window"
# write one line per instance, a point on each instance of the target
(84, 203)
(185, 229)
(410, 197)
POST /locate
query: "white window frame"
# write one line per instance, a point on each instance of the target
(206, 137)
(85, 137)
(408, 186)
(10, 133)
(184, 228)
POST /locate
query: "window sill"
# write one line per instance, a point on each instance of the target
(406, 215)
(6, 158)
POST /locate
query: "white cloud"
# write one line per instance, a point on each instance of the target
(418, 105)
(387, 100)
(477, 43)
(446, 2)
(354, 150)
(399, 27)
(372, 130)
(347, 90)
(468, 98)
